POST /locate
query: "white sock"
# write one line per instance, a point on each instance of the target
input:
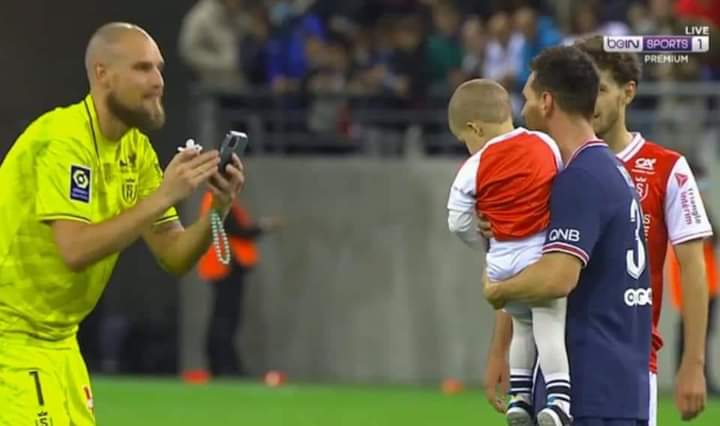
(521, 385)
(558, 391)
(522, 359)
(549, 332)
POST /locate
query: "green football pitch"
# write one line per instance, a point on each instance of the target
(142, 401)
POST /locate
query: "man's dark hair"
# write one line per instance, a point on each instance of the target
(624, 66)
(570, 76)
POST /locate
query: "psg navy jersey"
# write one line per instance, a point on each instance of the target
(596, 217)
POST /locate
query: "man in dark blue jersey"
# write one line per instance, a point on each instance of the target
(594, 254)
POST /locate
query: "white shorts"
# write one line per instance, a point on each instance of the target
(507, 258)
(652, 416)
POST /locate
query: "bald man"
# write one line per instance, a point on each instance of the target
(507, 180)
(81, 184)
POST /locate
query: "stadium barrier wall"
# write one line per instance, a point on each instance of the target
(366, 284)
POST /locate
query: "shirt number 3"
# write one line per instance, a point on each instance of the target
(636, 268)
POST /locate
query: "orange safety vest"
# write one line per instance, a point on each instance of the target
(674, 274)
(244, 250)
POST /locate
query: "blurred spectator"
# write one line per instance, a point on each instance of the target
(344, 18)
(612, 10)
(382, 40)
(371, 54)
(376, 9)
(539, 32)
(607, 11)
(483, 9)
(443, 48)
(326, 84)
(405, 76)
(656, 18)
(362, 53)
(663, 21)
(228, 284)
(700, 12)
(253, 47)
(705, 11)
(473, 39)
(504, 54)
(210, 40)
(679, 119)
(585, 22)
(638, 16)
(297, 34)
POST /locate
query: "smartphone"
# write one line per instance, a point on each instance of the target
(234, 142)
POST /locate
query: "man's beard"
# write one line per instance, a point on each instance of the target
(534, 121)
(607, 123)
(141, 119)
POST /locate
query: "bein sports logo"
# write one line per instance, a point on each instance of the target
(638, 297)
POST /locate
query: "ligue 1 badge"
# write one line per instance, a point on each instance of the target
(80, 183)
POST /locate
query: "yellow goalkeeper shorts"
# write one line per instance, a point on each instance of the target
(44, 385)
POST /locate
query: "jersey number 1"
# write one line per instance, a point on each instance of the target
(635, 269)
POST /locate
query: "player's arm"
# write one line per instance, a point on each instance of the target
(690, 381)
(571, 236)
(81, 243)
(687, 224)
(462, 224)
(461, 204)
(497, 370)
(555, 275)
(691, 258)
(502, 334)
(177, 248)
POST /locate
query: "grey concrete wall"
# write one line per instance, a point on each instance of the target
(365, 283)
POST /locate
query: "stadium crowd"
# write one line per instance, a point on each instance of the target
(324, 60)
(406, 48)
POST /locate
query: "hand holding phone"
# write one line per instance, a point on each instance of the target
(234, 143)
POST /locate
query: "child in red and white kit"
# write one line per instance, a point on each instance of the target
(508, 179)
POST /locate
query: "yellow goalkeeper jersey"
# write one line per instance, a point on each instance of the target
(62, 168)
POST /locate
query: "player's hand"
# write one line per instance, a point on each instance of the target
(187, 170)
(690, 390)
(492, 293)
(483, 226)
(225, 188)
(497, 381)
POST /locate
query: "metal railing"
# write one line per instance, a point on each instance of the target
(675, 114)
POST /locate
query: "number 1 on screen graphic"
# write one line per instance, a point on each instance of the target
(701, 44)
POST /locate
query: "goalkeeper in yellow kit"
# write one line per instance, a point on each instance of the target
(78, 186)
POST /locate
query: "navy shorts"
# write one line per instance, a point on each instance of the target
(539, 404)
(608, 422)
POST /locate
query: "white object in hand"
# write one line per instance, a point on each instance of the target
(190, 144)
